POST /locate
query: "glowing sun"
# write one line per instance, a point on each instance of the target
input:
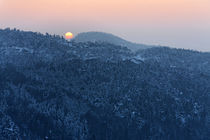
(69, 35)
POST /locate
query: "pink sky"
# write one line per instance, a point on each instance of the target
(177, 23)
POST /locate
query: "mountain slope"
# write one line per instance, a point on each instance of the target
(53, 90)
(112, 39)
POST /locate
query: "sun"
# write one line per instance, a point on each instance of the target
(69, 35)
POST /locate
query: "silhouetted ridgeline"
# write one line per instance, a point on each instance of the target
(106, 37)
(99, 91)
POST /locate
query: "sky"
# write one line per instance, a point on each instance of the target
(174, 23)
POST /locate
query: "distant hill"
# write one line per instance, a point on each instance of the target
(106, 37)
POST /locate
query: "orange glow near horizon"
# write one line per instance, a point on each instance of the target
(131, 19)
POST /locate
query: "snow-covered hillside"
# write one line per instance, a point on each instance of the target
(54, 89)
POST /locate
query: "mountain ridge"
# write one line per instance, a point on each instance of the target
(94, 36)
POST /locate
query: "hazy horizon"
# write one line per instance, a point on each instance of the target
(175, 23)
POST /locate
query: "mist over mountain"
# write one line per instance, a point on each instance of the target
(106, 37)
(100, 90)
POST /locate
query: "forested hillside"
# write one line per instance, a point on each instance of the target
(54, 89)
